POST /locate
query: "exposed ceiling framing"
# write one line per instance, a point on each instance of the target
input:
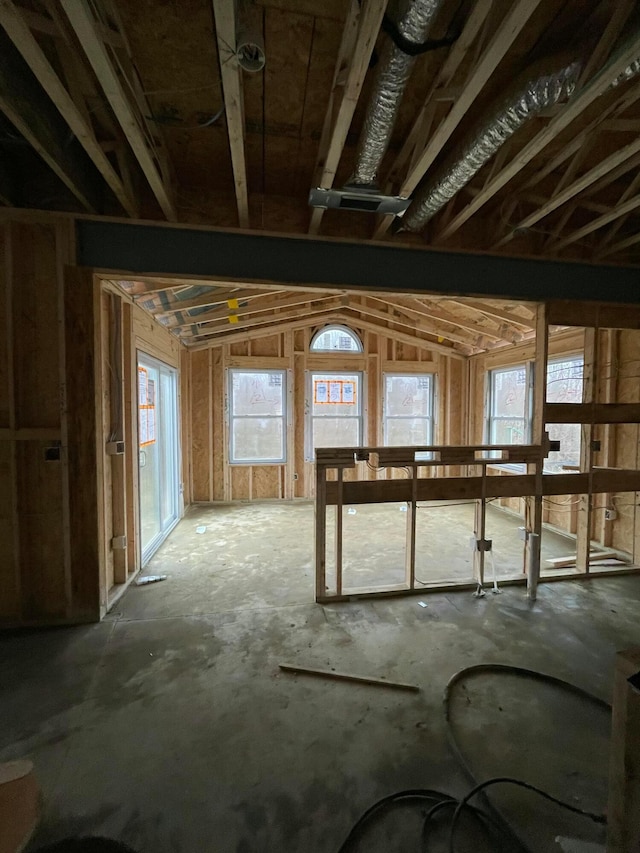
(143, 110)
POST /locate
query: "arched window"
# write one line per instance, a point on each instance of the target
(336, 339)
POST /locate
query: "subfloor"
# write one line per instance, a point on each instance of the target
(170, 726)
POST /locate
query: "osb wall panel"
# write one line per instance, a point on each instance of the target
(212, 478)
(41, 533)
(35, 330)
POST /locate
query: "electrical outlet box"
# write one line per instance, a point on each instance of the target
(610, 514)
(523, 534)
(115, 448)
(119, 543)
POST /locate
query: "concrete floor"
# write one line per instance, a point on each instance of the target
(171, 727)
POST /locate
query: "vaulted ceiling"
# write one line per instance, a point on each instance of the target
(201, 313)
(139, 108)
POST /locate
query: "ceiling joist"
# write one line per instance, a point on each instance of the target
(368, 18)
(231, 75)
(17, 28)
(596, 86)
(141, 138)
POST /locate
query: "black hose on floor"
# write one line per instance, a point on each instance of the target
(493, 821)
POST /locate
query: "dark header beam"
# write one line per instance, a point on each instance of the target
(163, 250)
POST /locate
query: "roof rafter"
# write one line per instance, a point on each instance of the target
(193, 328)
(596, 86)
(419, 324)
(255, 306)
(128, 113)
(177, 306)
(18, 30)
(419, 309)
(29, 109)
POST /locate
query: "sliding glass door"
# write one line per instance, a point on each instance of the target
(158, 452)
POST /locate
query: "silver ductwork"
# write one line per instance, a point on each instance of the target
(542, 89)
(394, 68)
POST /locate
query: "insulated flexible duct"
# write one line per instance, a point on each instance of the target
(540, 91)
(394, 69)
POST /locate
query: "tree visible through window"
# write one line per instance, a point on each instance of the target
(257, 421)
(408, 410)
(509, 407)
(564, 385)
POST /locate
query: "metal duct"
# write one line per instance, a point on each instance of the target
(542, 90)
(394, 69)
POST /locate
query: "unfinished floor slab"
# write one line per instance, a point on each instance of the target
(170, 725)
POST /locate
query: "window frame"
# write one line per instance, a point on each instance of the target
(309, 450)
(529, 367)
(431, 419)
(559, 359)
(337, 327)
(231, 371)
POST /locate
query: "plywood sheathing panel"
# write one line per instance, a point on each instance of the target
(35, 310)
(42, 578)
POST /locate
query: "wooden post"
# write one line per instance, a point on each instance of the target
(118, 473)
(321, 531)
(339, 525)
(623, 812)
(534, 504)
(585, 505)
(410, 543)
(130, 436)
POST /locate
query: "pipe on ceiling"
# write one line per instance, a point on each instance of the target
(540, 90)
(392, 74)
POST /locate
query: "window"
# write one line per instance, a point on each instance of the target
(564, 385)
(510, 407)
(408, 409)
(335, 339)
(257, 418)
(335, 411)
(508, 419)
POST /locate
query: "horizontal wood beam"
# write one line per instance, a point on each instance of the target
(592, 413)
(129, 117)
(473, 488)
(595, 87)
(18, 30)
(604, 316)
(29, 109)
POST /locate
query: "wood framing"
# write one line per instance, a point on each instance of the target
(128, 113)
(231, 76)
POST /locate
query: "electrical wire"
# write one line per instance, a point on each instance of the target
(493, 822)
